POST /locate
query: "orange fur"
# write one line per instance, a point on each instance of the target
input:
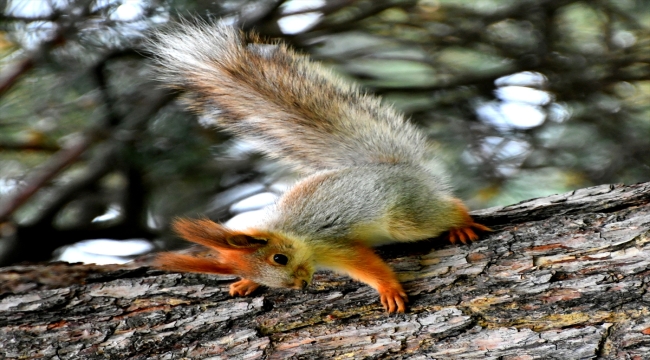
(466, 231)
(216, 236)
(233, 248)
(361, 263)
(243, 287)
(180, 262)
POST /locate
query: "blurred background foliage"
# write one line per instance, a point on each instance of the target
(524, 99)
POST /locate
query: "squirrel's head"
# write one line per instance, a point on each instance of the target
(269, 259)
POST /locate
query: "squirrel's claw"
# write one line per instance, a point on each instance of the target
(393, 300)
(243, 287)
(466, 233)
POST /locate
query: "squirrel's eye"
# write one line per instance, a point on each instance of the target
(280, 259)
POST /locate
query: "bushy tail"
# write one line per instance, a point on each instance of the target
(289, 107)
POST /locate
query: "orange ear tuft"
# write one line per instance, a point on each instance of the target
(187, 263)
(215, 236)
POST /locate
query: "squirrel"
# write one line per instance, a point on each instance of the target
(368, 178)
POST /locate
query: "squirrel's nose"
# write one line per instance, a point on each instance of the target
(300, 284)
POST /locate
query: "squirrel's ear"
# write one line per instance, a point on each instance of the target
(216, 236)
(188, 263)
(238, 240)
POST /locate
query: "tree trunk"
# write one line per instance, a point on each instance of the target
(561, 277)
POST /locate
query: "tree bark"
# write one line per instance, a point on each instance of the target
(562, 277)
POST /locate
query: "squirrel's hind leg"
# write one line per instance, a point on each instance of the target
(467, 231)
(464, 234)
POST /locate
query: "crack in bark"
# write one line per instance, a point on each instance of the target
(602, 344)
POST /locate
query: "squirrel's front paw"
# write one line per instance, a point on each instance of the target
(393, 299)
(243, 287)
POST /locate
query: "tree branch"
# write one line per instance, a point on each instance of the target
(567, 281)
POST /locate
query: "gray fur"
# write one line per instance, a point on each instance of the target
(289, 107)
(367, 197)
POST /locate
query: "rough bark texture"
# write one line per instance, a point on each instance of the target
(561, 277)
